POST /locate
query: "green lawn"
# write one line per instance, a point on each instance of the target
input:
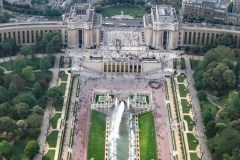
(127, 10)
(192, 141)
(181, 78)
(54, 120)
(62, 87)
(96, 145)
(190, 122)
(59, 104)
(18, 149)
(185, 106)
(194, 156)
(7, 65)
(50, 155)
(52, 139)
(183, 90)
(63, 76)
(148, 147)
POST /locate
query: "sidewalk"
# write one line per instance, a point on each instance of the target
(197, 112)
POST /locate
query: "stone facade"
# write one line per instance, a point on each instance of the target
(207, 9)
(1, 6)
(82, 28)
(236, 6)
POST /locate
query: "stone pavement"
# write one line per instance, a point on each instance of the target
(206, 155)
(160, 113)
(70, 121)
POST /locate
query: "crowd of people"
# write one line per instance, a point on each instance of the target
(154, 84)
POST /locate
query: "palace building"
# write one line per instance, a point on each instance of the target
(82, 27)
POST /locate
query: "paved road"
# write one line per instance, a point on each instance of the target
(197, 112)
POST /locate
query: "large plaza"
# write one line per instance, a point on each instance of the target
(125, 95)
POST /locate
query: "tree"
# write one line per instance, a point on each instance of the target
(1, 77)
(230, 7)
(22, 110)
(233, 102)
(28, 74)
(19, 82)
(26, 50)
(34, 120)
(42, 45)
(207, 117)
(9, 46)
(12, 91)
(236, 153)
(226, 141)
(54, 44)
(226, 39)
(7, 80)
(21, 127)
(7, 125)
(235, 124)
(1, 72)
(211, 130)
(202, 95)
(3, 94)
(218, 54)
(37, 90)
(37, 109)
(45, 63)
(220, 77)
(54, 93)
(6, 47)
(6, 148)
(31, 149)
(33, 132)
(27, 98)
(6, 110)
(4, 17)
(18, 66)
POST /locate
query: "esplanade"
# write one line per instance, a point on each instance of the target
(82, 27)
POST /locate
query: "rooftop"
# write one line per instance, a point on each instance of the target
(83, 13)
(164, 14)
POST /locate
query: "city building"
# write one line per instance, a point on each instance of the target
(1, 6)
(236, 6)
(160, 27)
(207, 9)
(82, 27)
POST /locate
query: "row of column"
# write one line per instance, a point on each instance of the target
(203, 38)
(122, 67)
(23, 36)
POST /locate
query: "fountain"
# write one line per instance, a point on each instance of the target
(121, 140)
(116, 120)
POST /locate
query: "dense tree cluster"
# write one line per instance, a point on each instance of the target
(8, 47)
(216, 71)
(132, 2)
(217, 74)
(27, 9)
(23, 96)
(4, 17)
(50, 43)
